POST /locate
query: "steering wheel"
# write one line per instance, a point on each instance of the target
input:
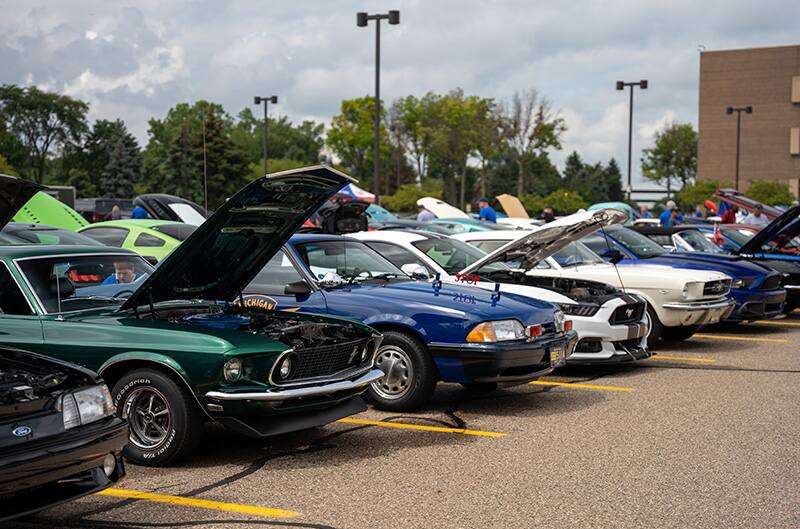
(121, 292)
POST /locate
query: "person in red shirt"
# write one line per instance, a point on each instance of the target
(729, 217)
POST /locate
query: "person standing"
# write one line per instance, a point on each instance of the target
(757, 217)
(644, 212)
(423, 214)
(548, 215)
(729, 217)
(485, 211)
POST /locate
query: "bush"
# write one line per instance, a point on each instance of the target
(770, 193)
(405, 199)
(696, 194)
(562, 201)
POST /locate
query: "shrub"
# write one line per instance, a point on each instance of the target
(770, 193)
(405, 199)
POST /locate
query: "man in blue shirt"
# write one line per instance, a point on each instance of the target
(124, 272)
(139, 213)
(485, 211)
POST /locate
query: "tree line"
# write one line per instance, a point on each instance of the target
(455, 145)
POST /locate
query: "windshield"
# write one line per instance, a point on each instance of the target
(179, 230)
(740, 237)
(54, 236)
(66, 283)
(351, 260)
(575, 254)
(450, 254)
(636, 243)
(698, 242)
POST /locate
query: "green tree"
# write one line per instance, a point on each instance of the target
(563, 202)
(530, 127)
(770, 193)
(303, 142)
(43, 123)
(673, 157)
(405, 199)
(351, 137)
(109, 163)
(697, 193)
(178, 174)
(216, 157)
(5, 167)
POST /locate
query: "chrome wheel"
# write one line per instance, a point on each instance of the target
(396, 364)
(149, 417)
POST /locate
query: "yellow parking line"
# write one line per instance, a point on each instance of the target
(200, 504)
(686, 358)
(777, 322)
(584, 386)
(739, 338)
(406, 426)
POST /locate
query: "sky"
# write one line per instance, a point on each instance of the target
(135, 60)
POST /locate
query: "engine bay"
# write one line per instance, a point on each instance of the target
(27, 383)
(576, 289)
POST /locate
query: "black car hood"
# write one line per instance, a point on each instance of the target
(786, 225)
(157, 206)
(14, 193)
(226, 252)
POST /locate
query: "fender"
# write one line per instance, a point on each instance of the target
(397, 320)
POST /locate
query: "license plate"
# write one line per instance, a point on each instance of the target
(558, 357)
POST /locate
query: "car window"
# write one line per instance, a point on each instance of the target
(53, 236)
(149, 241)
(177, 230)
(451, 254)
(351, 260)
(273, 278)
(636, 243)
(74, 282)
(599, 244)
(397, 255)
(488, 246)
(698, 242)
(107, 235)
(576, 254)
(12, 300)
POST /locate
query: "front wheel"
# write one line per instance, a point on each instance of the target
(678, 334)
(656, 329)
(165, 424)
(410, 375)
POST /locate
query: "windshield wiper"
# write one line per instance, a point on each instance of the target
(385, 276)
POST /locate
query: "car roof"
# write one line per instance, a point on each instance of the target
(127, 223)
(15, 251)
(405, 236)
(505, 235)
(662, 230)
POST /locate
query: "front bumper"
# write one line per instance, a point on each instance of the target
(507, 363)
(697, 313)
(54, 470)
(601, 342)
(756, 305)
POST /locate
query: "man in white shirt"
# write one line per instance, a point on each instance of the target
(756, 218)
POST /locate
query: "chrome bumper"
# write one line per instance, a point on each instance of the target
(700, 306)
(295, 393)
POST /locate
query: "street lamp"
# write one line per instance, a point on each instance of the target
(621, 86)
(738, 110)
(257, 100)
(361, 21)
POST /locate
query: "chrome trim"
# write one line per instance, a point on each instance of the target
(791, 287)
(42, 310)
(378, 338)
(297, 393)
(699, 306)
(34, 312)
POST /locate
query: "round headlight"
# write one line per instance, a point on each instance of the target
(286, 367)
(232, 370)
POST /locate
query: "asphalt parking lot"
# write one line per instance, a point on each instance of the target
(702, 435)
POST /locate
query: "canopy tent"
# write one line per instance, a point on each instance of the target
(353, 192)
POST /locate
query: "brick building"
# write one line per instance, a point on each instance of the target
(768, 80)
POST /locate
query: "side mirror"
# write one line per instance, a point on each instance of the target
(416, 271)
(331, 280)
(298, 288)
(613, 256)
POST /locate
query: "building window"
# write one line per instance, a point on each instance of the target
(796, 89)
(794, 141)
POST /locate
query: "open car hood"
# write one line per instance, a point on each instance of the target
(441, 209)
(735, 198)
(780, 231)
(14, 194)
(226, 252)
(551, 238)
(512, 206)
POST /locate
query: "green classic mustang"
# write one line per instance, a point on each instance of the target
(183, 349)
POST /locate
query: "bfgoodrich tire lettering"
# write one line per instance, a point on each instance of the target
(165, 424)
(410, 374)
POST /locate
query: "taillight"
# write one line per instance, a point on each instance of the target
(567, 325)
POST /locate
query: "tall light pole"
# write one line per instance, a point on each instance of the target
(361, 21)
(738, 110)
(621, 86)
(257, 100)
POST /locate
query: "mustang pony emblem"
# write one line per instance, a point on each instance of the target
(629, 312)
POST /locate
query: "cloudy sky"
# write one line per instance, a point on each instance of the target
(134, 60)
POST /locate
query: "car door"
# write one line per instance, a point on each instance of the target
(269, 288)
(20, 326)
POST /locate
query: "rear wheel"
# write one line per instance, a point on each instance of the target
(165, 424)
(410, 375)
(678, 334)
(655, 327)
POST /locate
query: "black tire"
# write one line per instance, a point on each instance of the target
(678, 334)
(182, 423)
(480, 386)
(656, 328)
(412, 377)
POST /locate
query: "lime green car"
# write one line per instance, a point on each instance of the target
(152, 239)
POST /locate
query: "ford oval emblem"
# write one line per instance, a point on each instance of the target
(22, 431)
